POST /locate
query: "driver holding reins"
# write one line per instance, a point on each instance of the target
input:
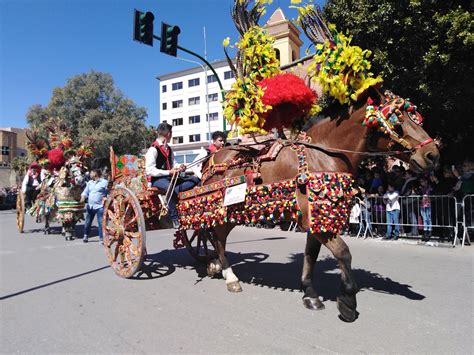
(161, 167)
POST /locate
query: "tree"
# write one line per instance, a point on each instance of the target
(20, 165)
(93, 107)
(425, 51)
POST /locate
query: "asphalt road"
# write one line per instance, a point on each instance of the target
(61, 297)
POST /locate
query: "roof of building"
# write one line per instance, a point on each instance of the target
(216, 64)
(277, 16)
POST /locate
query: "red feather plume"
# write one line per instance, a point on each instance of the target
(289, 97)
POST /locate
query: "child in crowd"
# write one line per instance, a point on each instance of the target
(425, 208)
(392, 206)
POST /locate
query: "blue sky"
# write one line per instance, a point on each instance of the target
(45, 42)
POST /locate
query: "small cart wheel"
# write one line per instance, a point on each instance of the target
(124, 232)
(20, 211)
(201, 245)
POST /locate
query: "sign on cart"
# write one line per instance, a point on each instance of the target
(235, 194)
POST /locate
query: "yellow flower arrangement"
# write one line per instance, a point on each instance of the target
(243, 103)
(341, 69)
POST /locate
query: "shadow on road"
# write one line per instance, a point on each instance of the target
(52, 283)
(250, 268)
(286, 276)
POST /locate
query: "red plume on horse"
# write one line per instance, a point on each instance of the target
(289, 98)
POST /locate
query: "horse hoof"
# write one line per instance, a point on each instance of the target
(234, 287)
(213, 268)
(313, 303)
(346, 307)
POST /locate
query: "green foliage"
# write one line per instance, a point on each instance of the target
(93, 107)
(425, 51)
(20, 165)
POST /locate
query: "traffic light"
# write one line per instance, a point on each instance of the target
(143, 27)
(169, 39)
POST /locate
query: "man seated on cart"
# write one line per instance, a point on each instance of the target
(161, 167)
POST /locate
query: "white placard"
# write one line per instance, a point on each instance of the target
(235, 194)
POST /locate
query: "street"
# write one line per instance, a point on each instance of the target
(61, 297)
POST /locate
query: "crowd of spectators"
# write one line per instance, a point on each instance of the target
(389, 191)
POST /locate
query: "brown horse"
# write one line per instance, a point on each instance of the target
(338, 142)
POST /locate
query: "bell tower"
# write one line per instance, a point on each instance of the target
(287, 37)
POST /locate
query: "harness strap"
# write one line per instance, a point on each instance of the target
(419, 145)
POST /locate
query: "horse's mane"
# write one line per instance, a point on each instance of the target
(336, 111)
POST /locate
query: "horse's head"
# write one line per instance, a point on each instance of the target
(401, 123)
(76, 170)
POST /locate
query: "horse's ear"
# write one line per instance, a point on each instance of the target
(373, 92)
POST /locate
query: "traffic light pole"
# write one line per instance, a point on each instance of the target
(210, 67)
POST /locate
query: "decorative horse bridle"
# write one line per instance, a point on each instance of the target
(386, 116)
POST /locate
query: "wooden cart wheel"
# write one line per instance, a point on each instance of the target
(124, 232)
(20, 211)
(201, 245)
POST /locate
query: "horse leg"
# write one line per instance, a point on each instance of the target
(310, 299)
(346, 302)
(231, 280)
(46, 224)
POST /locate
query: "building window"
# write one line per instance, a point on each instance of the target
(277, 53)
(177, 86)
(177, 121)
(164, 106)
(194, 119)
(211, 79)
(5, 150)
(178, 103)
(194, 101)
(163, 88)
(193, 82)
(190, 158)
(212, 97)
(229, 75)
(214, 116)
(178, 140)
(194, 138)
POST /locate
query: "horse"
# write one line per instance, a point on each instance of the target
(336, 143)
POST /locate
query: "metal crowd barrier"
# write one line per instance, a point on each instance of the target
(442, 214)
(467, 218)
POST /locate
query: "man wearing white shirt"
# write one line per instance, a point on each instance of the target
(160, 166)
(393, 212)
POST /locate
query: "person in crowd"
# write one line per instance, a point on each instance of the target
(465, 177)
(379, 211)
(218, 141)
(95, 192)
(355, 226)
(392, 206)
(426, 191)
(31, 184)
(376, 182)
(410, 204)
(396, 177)
(161, 167)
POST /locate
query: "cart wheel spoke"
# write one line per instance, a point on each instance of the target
(124, 231)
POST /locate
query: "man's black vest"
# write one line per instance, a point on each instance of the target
(161, 160)
(30, 180)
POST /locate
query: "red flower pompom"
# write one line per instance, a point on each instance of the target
(56, 159)
(289, 97)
